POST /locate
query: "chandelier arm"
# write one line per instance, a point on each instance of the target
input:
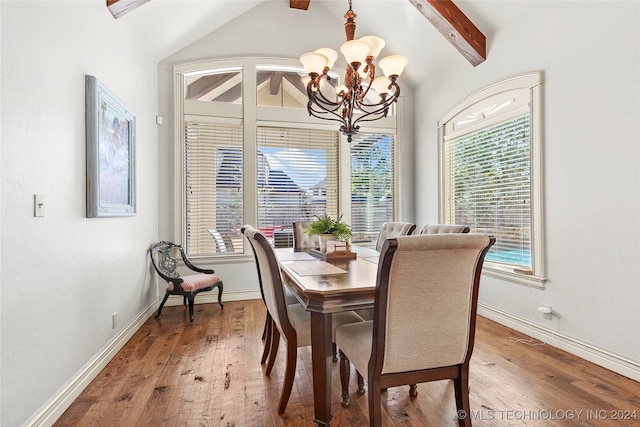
(371, 71)
(332, 117)
(319, 96)
(310, 107)
(376, 107)
(316, 96)
(386, 103)
(322, 111)
(378, 113)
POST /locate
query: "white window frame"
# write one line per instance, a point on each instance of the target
(525, 93)
(252, 116)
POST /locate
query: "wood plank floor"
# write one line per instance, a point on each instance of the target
(172, 373)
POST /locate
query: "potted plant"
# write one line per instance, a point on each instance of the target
(327, 228)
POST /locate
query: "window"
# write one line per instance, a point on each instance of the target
(213, 187)
(247, 152)
(281, 88)
(491, 174)
(222, 85)
(297, 177)
(372, 184)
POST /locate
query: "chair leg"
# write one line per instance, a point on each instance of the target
(267, 335)
(461, 386)
(184, 300)
(375, 411)
(335, 352)
(289, 375)
(413, 390)
(345, 370)
(166, 295)
(191, 300)
(220, 295)
(273, 351)
(360, 383)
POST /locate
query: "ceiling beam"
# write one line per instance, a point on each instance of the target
(275, 82)
(122, 7)
(207, 84)
(299, 4)
(456, 27)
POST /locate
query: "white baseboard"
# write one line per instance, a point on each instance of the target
(58, 403)
(616, 363)
(212, 297)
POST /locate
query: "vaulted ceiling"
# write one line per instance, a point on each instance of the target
(429, 32)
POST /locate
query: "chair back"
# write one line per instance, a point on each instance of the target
(221, 246)
(393, 229)
(270, 279)
(444, 228)
(164, 256)
(301, 240)
(425, 310)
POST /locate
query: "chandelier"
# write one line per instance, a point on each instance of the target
(350, 98)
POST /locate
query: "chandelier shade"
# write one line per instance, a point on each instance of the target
(355, 51)
(349, 104)
(393, 65)
(375, 45)
(313, 62)
(332, 55)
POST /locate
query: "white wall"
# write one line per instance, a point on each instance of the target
(589, 54)
(258, 32)
(64, 275)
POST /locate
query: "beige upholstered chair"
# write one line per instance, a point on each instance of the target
(302, 241)
(292, 321)
(388, 230)
(444, 228)
(424, 322)
(268, 321)
(393, 229)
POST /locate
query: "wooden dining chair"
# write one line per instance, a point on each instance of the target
(424, 319)
(268, 321)
(393, 229)
(289, 321)
(387, 231)
(444, 229)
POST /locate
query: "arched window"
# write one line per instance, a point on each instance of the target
(247, 152)
(491, 174)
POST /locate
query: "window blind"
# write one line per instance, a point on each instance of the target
(213, 188)
(372, 184)
(488, 176)
(297, 176)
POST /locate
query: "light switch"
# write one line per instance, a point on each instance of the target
(38, 205)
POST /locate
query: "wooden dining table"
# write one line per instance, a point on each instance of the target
(323, 288)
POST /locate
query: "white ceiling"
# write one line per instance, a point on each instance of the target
(165, 26)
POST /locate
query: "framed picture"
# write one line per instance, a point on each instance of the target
(111, 143)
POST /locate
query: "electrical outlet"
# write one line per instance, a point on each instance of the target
(114, 320)
(547, 312)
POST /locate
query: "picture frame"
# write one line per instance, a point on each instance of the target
(111, 144)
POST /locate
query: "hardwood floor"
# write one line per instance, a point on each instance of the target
(172, 373)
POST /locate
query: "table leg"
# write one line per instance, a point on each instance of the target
(321, 359)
